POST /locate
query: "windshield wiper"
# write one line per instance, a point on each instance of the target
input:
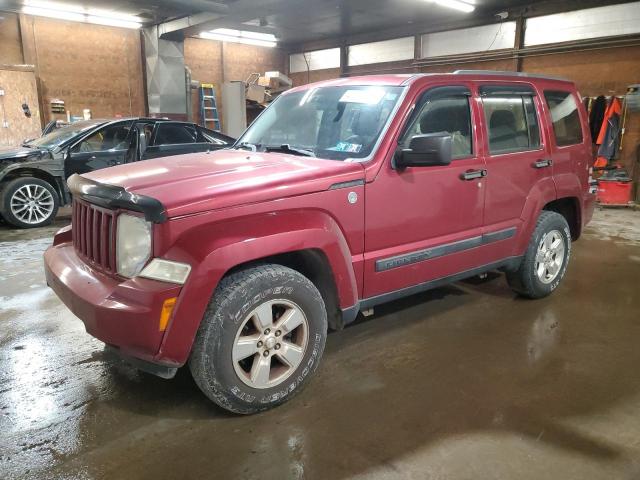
(286, 148)
(248, 146)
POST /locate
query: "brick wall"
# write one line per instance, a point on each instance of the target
(216, 62)
(10, 46)
(87, 66)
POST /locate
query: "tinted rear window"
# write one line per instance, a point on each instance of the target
(175, 133)
(566, 120)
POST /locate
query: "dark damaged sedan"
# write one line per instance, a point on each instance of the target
(33, 176)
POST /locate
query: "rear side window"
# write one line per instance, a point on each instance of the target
(512, 123)
(565, 117)
(175, 133)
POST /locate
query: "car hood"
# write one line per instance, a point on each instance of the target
(17, 153)
(193, 183)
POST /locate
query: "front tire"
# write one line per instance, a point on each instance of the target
(29, 202)
(546, 259)
(260, 340)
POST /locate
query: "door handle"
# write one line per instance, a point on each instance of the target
(543, 163)
(473, 174)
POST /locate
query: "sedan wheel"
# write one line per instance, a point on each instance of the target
(28, 202)
(32, 204)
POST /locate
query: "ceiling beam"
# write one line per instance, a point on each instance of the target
(175, 29)
(186, 6)
(238, 12)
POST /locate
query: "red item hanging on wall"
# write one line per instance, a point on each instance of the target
(614, 108)
(600, 162)
(609, 134)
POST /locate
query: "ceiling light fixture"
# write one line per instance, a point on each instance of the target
(78, 13)
(241, 36)
(466, 6)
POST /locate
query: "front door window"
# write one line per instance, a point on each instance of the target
(449, 114)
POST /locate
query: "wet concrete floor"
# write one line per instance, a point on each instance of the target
(465, 382)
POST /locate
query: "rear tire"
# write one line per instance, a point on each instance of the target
(260, 340)
(29, 202)
(545, 261)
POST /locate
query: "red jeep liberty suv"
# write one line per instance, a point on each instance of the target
(342, 195)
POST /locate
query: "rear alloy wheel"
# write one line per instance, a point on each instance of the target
(29, 203)
(260, 340)
(545, 261)
(550, 256)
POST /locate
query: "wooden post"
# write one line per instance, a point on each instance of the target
(417, 50)
(344, 60)
(521, 23)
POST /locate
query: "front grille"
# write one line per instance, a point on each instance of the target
(94, 234)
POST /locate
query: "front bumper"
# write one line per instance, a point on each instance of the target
(121, 313)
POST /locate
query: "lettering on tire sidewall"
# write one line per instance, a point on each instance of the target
(298, 378)
(258, 298)
(287, 387)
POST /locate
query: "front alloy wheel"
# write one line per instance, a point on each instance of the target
(29, 202)
(32, 204)
(260, 340)
(270, 344)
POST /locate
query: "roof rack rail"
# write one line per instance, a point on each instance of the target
(509, 74)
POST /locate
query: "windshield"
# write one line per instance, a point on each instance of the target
(335, 123)
(61, 135)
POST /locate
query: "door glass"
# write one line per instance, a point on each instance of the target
(209, 136)
(147, 129)
(532, 122)
(444, 114)
(175, 133)
(566, 121)
(512, 123)
(114, 137)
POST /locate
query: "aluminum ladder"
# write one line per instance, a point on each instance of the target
(209, 117)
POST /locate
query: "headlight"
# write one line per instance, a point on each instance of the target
(166, 271)
(133, 244)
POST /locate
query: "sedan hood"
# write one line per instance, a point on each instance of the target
(16, 153)
(195, 183)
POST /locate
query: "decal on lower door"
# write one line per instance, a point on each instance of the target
(442, 250)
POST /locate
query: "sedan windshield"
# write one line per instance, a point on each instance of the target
(336, 123)
(61, 135)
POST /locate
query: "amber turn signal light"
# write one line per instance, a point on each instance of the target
(167, 310)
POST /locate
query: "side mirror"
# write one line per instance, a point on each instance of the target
(142, 145)
(426, 150)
